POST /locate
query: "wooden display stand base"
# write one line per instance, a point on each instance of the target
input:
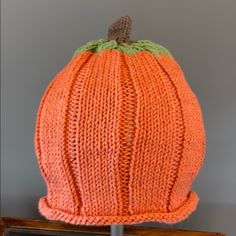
(15, 226)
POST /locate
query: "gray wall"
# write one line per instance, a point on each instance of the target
(40, 36)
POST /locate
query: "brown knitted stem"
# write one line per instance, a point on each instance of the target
(120, 30)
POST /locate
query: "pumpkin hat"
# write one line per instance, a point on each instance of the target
(119, 135)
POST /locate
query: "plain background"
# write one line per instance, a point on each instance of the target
(40, 36)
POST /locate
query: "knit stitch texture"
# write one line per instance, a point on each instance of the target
(119, 139)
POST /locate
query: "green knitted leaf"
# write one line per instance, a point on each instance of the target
(141, 45)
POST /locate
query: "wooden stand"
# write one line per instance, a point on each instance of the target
(21, 227)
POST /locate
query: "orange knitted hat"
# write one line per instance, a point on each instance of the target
(119, 135)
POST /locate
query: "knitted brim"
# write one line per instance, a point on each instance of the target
(170, 218)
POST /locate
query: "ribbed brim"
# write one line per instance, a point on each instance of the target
(170, 218)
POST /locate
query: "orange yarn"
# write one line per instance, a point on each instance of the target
(119, 139)
(119, 135)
